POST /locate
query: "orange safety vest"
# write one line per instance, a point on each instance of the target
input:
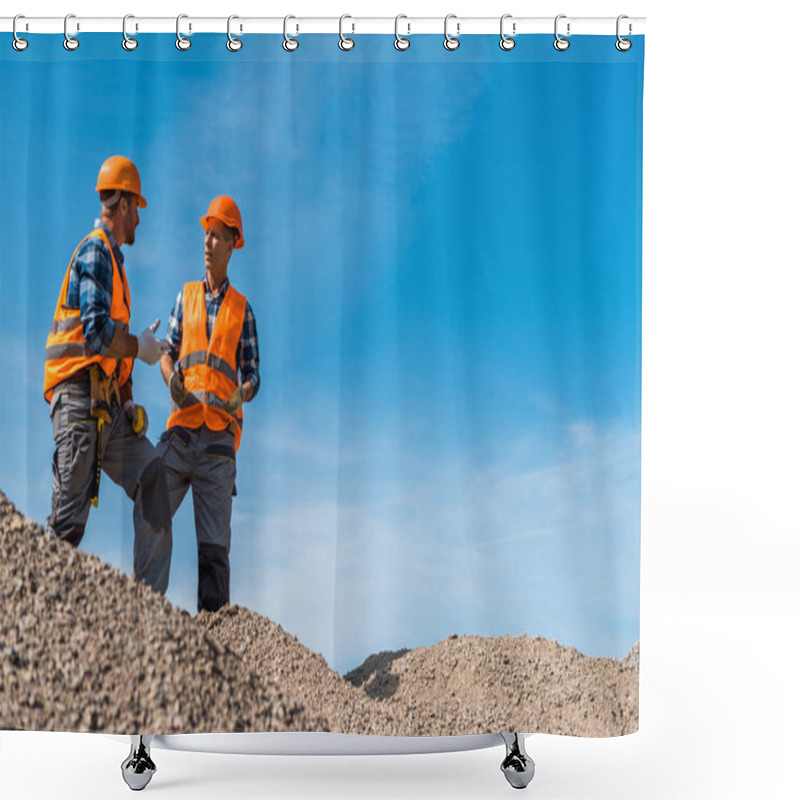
(209, 368)
(67, 350)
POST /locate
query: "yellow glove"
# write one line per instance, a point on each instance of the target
(138, 417)
(177, 389)
(235, 402)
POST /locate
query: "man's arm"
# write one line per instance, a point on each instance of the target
(94, 270)
(167, 367)
(174, 335)
(123, 344)
(248, 356)
(248, 392)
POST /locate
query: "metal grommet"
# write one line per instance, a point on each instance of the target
(19, 44)
(401, 42)
(181, 42)
(507, 42)
(233, 44)
(289, 44)
(70, 42)
(623, 45)
(345, 42)
(128, 42)
(451, 42)
(561, 43)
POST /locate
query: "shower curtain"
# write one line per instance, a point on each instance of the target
(377, 470)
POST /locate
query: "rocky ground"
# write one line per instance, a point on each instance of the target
(84, 647)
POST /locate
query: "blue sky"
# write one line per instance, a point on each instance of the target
(443, 256)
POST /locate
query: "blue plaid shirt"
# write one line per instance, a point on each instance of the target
(246, 350)
(91, 284)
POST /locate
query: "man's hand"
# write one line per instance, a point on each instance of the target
(150, 348)
(177, 389)
(233, 405)
(138, 417)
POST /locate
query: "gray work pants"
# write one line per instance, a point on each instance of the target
(206, 461)
(129, 461)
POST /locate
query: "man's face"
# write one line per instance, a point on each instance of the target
(129, 208)
(218, 246)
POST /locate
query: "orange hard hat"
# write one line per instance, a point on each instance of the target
(120, 173)
(227, 212)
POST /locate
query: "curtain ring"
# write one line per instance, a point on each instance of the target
(128, 42)
(70, 42)
(451, 42)
(233, 44)
(19, 44)
(345, 42)
(623, 45)
(290, 44)
(561, 43)
(401, 42)
(181, 42)
(506, 42)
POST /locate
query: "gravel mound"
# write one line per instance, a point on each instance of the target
(278, 656)
(84, 647)
(632, 659)
(476, 684)
(469, 684)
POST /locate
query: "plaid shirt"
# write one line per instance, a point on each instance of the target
(91, 284)
(246, 350)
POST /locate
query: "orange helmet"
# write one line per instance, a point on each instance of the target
(227, 212)
(120, 173)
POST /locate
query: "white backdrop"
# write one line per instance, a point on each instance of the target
(720, 545)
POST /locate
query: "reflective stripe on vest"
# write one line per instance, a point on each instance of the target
(209, 367)
(67, 351)
(64, 325)
(214, 361)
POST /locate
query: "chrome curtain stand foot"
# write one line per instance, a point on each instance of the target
(138, 768)
(517, 766)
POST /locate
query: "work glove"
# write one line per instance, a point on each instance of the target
(150, 348)
(177, 389)
(235, 402)
(138, 417)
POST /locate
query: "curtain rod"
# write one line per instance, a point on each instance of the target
(297, 25)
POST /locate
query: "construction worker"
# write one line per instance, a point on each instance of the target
(87, 382)
(213, 343)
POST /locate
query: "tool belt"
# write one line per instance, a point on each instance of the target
(103, 391)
